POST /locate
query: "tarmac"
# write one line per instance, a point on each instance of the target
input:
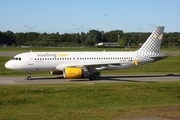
(102, 79)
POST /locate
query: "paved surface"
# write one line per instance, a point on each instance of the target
(103, 79)
(8, 54)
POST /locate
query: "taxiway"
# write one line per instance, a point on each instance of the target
(102, 79)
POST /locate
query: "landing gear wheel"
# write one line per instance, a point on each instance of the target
(92, 77)
(28, 77)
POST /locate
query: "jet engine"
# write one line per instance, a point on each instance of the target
(56, 72)
(72, 73)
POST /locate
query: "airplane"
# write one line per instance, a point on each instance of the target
(88, 64)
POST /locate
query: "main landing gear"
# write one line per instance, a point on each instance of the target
(92, 77)
(29, 75)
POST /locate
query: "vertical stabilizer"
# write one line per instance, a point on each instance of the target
(153, 43)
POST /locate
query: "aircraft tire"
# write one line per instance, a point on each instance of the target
(92, 77)
(29, 78)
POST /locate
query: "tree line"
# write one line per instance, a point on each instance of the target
(91, 38)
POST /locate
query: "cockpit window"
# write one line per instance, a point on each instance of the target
(16, 58)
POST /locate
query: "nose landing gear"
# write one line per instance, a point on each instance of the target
(29, 75)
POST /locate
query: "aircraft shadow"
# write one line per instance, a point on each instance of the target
(118, 78)
(127, 78)
(46, 78)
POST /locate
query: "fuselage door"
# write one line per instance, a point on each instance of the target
(30, 59)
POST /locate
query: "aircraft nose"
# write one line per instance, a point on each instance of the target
(9, 65)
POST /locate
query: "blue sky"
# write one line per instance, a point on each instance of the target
(73, 16)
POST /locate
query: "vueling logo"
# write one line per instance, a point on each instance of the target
(62, 55)
(54, 55)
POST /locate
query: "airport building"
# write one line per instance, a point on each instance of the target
(108, 44)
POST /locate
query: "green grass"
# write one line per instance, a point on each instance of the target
(62, 49)
(13, 49)
(89, 101)
(130, 100)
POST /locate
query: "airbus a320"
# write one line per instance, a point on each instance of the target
(87, 64)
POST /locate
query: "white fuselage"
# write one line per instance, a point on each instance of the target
(49, 61)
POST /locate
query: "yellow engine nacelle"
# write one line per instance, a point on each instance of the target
(72, 73)
(56, 72)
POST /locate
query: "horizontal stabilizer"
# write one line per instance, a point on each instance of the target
(159, 56)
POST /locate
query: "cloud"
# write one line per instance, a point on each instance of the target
(74, 25)
(89, 29)
(139, 29)
(35, 27)
(152, 25)
(98, 29)
(78, 28)
(30, 28)
(105, 15)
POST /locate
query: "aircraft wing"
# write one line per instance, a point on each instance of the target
(91, 65)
